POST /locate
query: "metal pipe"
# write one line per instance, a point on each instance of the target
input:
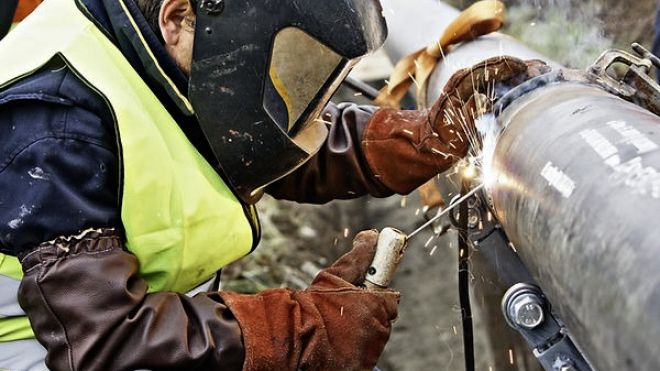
(361, 87)
(414, 24)
(580, 217)
(577, 190)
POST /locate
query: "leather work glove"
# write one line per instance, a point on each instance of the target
(405, 148)
(332, 325)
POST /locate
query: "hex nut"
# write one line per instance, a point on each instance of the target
(527, 311)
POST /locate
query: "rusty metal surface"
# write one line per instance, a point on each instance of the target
(578, 193)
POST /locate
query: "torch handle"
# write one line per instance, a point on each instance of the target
(392, 243)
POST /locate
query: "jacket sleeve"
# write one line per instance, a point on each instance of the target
(339, 170)
(90, 309)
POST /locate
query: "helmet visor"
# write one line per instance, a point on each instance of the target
(303, 73)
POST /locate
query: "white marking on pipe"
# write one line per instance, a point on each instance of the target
(558, 179)
(634, 137)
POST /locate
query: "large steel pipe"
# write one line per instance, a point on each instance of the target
(577, 188)
(414, 24)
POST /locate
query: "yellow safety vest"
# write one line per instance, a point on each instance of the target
(181, 220)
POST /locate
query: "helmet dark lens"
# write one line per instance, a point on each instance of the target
(299, 68)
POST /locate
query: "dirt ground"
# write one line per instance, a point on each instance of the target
(300, 239)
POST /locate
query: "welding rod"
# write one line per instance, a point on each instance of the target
(446, 210)
(392, 244)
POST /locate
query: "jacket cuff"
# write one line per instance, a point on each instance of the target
(88, 241)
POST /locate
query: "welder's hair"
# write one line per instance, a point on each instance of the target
(150, 9)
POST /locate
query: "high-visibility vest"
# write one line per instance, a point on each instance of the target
(181, 220)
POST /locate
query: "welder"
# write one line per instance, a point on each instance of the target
(137, 137)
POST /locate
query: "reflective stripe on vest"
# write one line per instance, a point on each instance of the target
(13, 322)
(181, 221)
(23, 355)
(8, 305)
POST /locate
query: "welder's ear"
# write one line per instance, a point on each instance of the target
(175, 18)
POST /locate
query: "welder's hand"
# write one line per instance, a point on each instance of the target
(471, 92)
(404, 149)
(332, 325)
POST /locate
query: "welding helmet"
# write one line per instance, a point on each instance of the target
(263, 70)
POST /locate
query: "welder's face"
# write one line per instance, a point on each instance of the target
(177, 27)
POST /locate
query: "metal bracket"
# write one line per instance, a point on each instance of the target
(635, 84)
(525, 307)
(528, 311)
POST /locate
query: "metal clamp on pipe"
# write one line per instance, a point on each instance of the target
(627, 76)
(527, 310)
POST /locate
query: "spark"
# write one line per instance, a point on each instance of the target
(409, 132)
(345, 232)
(429, 241)
(469, 171)
(323, 121)
(418, 66)
(511, 356)
(404, 201)
(513, 247)
(438, 152)
(455, 330)
(414, 80)
(341, 311)
(435, 247)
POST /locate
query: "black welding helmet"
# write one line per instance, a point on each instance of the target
(262, 72)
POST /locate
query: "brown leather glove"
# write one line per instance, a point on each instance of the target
(404, 149)
(332, 325)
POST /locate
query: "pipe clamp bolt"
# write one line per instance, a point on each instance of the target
(526, 311)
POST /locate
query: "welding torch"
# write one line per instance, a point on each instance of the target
(392, 244)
